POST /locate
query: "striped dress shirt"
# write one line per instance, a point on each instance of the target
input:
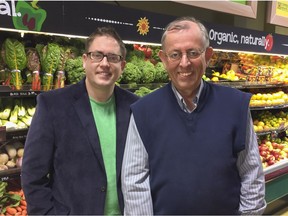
(135, 171)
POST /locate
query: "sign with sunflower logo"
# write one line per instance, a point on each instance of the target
(143, 26)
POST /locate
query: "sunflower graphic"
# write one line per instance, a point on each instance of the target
(143, 26)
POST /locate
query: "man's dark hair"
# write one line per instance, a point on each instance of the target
(106, 31)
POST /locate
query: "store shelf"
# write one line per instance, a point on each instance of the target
(16, 134)
(283, 106)
(251, 85)
(8, 91)
(273, 131)
(6, 175)
(276, 177)
(276, 170)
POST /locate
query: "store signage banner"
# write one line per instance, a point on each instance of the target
(82, 17)
(231, 38)
(132, 25)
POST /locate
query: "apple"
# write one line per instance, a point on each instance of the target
(275, 145)
(270, 162)
(263, 147)
(263, 153)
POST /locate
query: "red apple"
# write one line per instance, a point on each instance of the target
(263, 153)
(270, 162)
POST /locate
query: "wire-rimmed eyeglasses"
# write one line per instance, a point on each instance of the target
(191, 54)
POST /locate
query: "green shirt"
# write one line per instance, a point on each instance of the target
(105, 119)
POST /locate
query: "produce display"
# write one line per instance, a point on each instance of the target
(228, 75)
(249, 67)
(16, 114)
(42, 66)
(269, 99)
(273, 150)
(12, 202)
(143, 67)
(11, 155)
(267, 121)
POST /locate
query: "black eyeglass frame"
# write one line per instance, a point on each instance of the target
(105, 55)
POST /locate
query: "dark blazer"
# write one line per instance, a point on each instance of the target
(63, 170)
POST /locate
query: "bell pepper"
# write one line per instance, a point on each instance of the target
(32, 17)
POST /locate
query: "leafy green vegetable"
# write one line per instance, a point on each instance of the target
(50, 58)
(26, 120)
(135, 54)
(74, 70)
(131, 73)
(39, 48)
(148, 72)
(64, 55)
(14, 114)
(16, 60)
(155, 52)
(47, 80)
(142, 91)
(6, 197)
(15, 56)
(16, 79)
(6, 107)
(161, 74)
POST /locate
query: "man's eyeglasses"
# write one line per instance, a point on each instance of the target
(98, 57)
(191, 54)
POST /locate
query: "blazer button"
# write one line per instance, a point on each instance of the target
(103, 189)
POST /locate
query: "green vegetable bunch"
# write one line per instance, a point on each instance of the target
(161, 74)
(131, 74)
(148, 72)
(142, 91)
(16, 60)
(74, 70)
(59, 78)
(135, 55)
(15, 55)
(49, 58)
(155, 52)
(64, 56)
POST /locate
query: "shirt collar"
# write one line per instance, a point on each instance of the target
(181, 101)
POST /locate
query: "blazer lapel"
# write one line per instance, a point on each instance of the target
(83, 109)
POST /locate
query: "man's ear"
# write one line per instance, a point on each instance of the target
(162, 56)
(208, 54)
(123, 63)
(84, 59)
